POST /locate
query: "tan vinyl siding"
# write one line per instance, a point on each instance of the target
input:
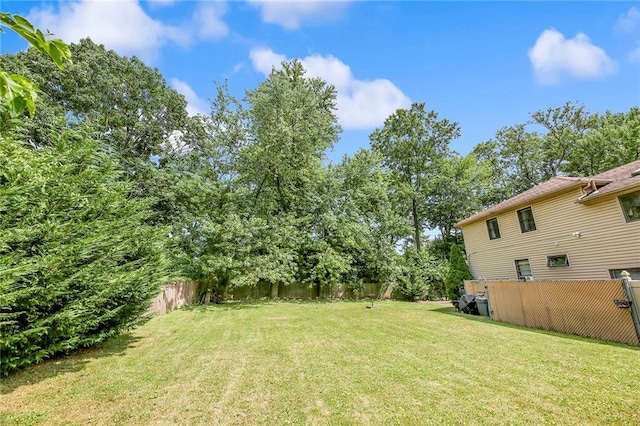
(606, 240)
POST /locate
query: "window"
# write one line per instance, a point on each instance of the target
(527, 224)
(557, 261)
(523, 268)
(631, 206)
(493, 229)
(634, 272)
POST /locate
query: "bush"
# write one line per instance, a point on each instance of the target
(421, 276)
(77, 262)
(458, 272)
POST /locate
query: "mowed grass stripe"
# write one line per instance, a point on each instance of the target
(330, 363)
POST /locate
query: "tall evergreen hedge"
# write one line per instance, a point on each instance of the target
(77, 262)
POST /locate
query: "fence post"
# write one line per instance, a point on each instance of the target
(635, 315)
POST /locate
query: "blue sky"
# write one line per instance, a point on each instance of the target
(482, 64)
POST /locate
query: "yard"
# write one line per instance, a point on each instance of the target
(330, 363)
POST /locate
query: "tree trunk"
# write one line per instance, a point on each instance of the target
(274, 290)
(416, 224)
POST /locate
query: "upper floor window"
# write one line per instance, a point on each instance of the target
(493, 229)
(525, 216)
(631, 206)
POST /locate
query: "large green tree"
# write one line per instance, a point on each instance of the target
(566, 140)
(413, 144)
(259, 216)
(124, 104)
(292, 123)
(128, 104)
(365, 226)
(614, 140)
(462, 187)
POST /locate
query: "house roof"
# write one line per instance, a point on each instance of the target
(622, 178)
(607, 183)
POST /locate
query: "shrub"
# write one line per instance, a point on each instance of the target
(77, 262)
(458, 272)
(421, 275)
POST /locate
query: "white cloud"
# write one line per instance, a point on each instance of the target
(195, 104)
(124, 26)
(628, 23)
(291, 14)
(208, 19)
(634, 56)
(554, 57)
(360, 104)
(264, 59)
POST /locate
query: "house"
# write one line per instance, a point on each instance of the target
(564, 228)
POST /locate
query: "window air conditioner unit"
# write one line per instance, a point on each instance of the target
(528, 278)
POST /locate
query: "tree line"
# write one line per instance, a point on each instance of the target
(111, 189)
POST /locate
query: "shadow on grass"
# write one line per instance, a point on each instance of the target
(486, 320)
(71, 362)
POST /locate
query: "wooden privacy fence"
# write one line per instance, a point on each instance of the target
(303, 291)
(173, 296)
(182, 293)
(592, 308)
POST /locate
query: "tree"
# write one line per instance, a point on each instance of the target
(292, 123)
(422, 275)
(360, 222)
(199, 193)
(564, 126)
(413, 144)
(614, 140)
(126, 104)
(19, 92)
(458, 272)
(122, 103)
(462, 187)
(77, 262)
(522, 158)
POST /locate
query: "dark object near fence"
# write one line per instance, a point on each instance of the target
(483, 306)
(467, 304)
(623, 304)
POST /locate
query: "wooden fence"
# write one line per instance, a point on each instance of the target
(173, 296)
(593, 308)
(181, 293)
(304, 291)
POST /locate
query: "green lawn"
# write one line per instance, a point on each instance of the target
(330, 363)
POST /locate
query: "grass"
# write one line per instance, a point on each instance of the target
(330, 363)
